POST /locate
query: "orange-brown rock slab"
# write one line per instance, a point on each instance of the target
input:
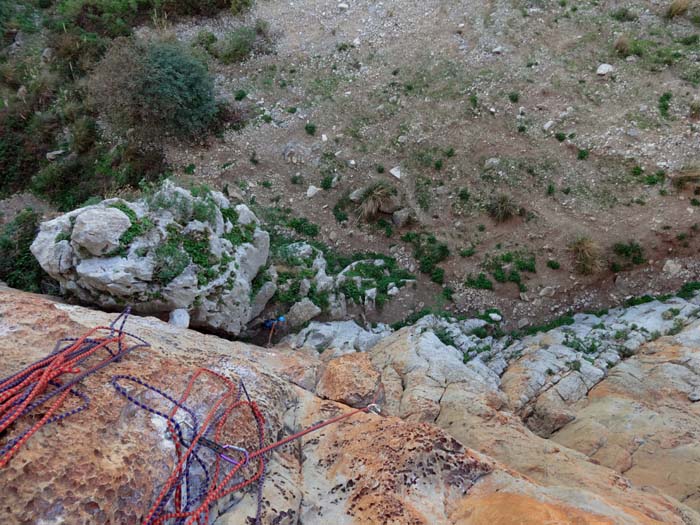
(350, 379)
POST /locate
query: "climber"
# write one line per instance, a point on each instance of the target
(272, 324)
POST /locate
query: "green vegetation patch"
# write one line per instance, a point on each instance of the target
(18, 267)
(429, 253)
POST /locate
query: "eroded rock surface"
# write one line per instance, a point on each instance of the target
(447, 448)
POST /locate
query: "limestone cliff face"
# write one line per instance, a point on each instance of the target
(448, 447)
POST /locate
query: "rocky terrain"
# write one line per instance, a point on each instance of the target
(518, 432)
(479, 217)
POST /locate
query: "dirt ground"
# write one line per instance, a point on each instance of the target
(467, 99)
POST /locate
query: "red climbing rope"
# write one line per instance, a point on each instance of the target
(39, 388)
(221, 484)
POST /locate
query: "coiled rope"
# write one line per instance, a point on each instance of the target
(42, 387)
(183, 507)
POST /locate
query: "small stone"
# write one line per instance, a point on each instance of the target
(301, 312)
(672, 268)
(548, 125)
(401, 217)
(393, 291)
(47, 55)
(356, 195)
(324, 138)
(343, 6)
(497, 50)
(492, 163)
(396, 172)
(604, 69)
(53, 155)
(694, 396)
(179, 318)
(356, 42)
(352, 164)
(313, 190)
(495, 317)
(547, 291)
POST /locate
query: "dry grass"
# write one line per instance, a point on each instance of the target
(623, 46)
(373, 198)
(587, 255)
(677, 8)
(686, 175)
(694, 109)
(501, 207)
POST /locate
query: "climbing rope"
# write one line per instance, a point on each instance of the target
(176, 503)
(44, 386)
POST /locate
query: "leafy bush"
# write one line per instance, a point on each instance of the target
(623, 14)
(554, 265)
(240, 6)
(304, 226)
(236, 46)
(18, 267)
(665, 104)
(631, 250)
(153, 88)
(480, 282)
(428, 252)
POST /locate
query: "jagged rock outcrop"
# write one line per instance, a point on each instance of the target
(447, 448)
(176, 249)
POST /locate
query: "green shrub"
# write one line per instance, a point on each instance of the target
(480, 282)
(623, 14)
(304, 226)
(236, 46)
(18, 267)
(582, 154)
(665, 104)
(631, 250)
(153, 88)
(554, 265)
(85, 134)
(310, 128)
(240, 6)
(427, 251)
(205, 39)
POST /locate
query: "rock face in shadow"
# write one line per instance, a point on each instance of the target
(446, 449)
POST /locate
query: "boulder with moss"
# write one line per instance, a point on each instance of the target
(175, 249)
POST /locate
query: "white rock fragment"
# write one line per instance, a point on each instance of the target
(604, 69)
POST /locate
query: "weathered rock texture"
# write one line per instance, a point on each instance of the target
(174, 250)
(446, 450)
